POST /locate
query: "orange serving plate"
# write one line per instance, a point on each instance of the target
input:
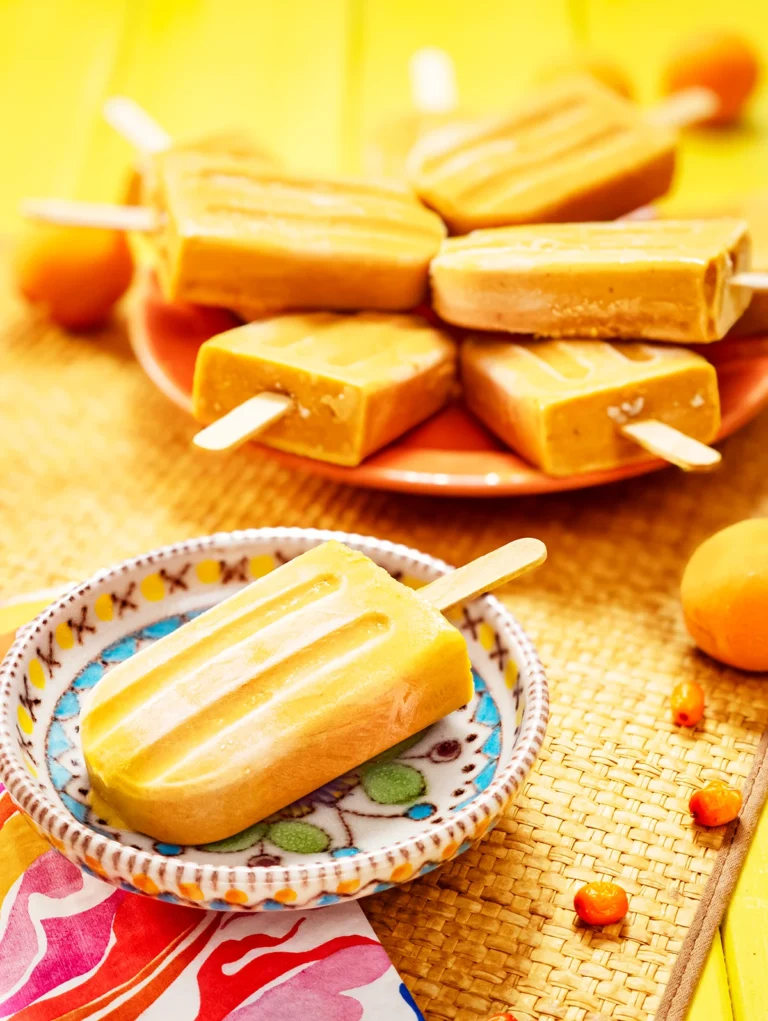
(452, 454)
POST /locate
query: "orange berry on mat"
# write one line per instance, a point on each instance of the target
(601, 903)
(75, 273)
(724, 593)
(722, 61)
(716, 804)
(687, 703)
(502, 1017)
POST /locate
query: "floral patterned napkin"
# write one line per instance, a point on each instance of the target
(72, 947)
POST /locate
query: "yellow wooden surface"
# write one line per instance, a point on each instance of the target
(317, 79)
(712, 1001)
(640, 35)
(278, 69)
(745, 933)
(497, 47)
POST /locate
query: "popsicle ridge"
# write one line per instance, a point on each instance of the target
(108, 710)
(264, 203)
(220, 718)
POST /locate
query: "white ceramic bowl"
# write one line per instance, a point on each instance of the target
(395, 818)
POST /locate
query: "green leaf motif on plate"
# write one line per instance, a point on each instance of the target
(299, 837)
(239, 841)
(395, 750)
(393, 783)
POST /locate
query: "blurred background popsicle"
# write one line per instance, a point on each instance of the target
(587, 405)
(572, 150)
(326, 386)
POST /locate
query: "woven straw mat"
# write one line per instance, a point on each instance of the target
(96, 466)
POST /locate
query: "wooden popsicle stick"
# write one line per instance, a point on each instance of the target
(670, 444)
(753, 279)
(433, 81)
(243, 423)
(485, 574)
(72, 213)
(136, 125)
(685, 108)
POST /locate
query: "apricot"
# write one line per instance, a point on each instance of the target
(725, 595)
(717, 60)
(76, 274)
(604, 70)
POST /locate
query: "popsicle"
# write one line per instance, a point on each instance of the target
(672, 280)
(588, 405)
(295, 680)
(231, 232)
(573, 150)
(327, 386)
(240, 236)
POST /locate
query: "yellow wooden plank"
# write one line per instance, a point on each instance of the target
(712, 1001)
(745, 933)
(497, 47)
(55, 60)
(279, 70)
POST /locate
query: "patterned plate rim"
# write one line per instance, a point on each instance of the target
(83, 840)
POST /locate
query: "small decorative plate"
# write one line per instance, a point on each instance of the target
(396, 817)
(452, 454)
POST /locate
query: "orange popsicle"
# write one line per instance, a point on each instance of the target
(349, 384)
(671, 280)
(238, 234)
(296, 679)
(586, 405)
(573, 150)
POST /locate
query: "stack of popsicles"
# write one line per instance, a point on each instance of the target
(334, 367)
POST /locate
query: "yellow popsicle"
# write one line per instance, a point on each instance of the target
(295, 680)
(239, 234)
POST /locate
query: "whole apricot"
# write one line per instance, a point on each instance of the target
(75, 273)
(721, 61)
(725, 595)
(601, 68)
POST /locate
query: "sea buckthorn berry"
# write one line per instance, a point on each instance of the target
(601, 903)
(687, 703)
(716, 804)
(502, 1017)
